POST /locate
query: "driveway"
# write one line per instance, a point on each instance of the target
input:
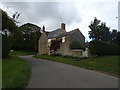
(49, 74)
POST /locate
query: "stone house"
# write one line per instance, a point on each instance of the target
(59, 41)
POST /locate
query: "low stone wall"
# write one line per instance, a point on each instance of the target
(89, 53)
(76, 53)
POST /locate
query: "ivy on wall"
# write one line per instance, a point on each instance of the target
(76, 45)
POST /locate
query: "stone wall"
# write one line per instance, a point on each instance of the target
(77, 36)
(65, 49)
(76, 53)
(43, 49)
(64, 46)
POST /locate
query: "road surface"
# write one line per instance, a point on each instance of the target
(49, 74)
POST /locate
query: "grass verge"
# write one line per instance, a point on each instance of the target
(107, 64)
(21, 53)
(15, 71)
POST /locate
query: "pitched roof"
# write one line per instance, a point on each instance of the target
(70, 32)
(60, 33)
(55, 33)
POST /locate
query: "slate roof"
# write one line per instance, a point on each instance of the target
(56, 33)
(70, 32)
(60, 33)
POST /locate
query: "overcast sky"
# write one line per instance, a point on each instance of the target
(76, 14)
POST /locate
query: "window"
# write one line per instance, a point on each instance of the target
(63, 39)
(49, 40)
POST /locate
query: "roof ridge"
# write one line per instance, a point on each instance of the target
(55, 30)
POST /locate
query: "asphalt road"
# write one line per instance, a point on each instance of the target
(49, 74)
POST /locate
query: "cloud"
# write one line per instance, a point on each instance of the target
(49, 12)
(75, 14)
(104, 11)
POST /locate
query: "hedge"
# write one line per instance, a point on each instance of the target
(101, 48)
(5, 46)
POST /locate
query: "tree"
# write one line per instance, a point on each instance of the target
(5, 46)
(104, 32)
(24, 37)
(105, 42)
(117, 40)
(7, 28)
(16, 40)
(99, 31)
(114, 36)
(94, 26)
(8, 24)
(28, 37)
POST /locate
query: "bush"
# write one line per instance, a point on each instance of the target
(76, 45)
(55, 53)
(5, 46)
(101, 48)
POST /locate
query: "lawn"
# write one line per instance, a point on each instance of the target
(15, 71)
(106, 64)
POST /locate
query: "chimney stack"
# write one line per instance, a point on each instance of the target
(43, 28)
(63, 25)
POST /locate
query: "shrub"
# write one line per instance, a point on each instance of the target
(5, 46)
(101, 48)
(55, 53)
(76, 45)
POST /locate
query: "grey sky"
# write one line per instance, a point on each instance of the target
(74, 14)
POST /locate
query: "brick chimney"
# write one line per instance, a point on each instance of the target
(63, 25)
(43, 28)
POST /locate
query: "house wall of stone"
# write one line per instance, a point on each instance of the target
(42, 47)
(77, 36)
(65, 48)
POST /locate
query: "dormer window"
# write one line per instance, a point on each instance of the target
(63, 39)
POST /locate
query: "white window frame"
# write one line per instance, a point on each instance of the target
(49, 40)
(63, 39)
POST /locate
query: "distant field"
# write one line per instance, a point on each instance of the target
(15, 71)
(108, 64)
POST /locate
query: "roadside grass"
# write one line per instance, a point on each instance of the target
(106, 64)
(15, 71)
(21, 53)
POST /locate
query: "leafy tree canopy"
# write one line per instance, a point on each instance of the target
(27, 38)
(8, 24)
(24, 37)
(99, 31)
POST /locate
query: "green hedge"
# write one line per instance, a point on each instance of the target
(101, 48)
(5, 46)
